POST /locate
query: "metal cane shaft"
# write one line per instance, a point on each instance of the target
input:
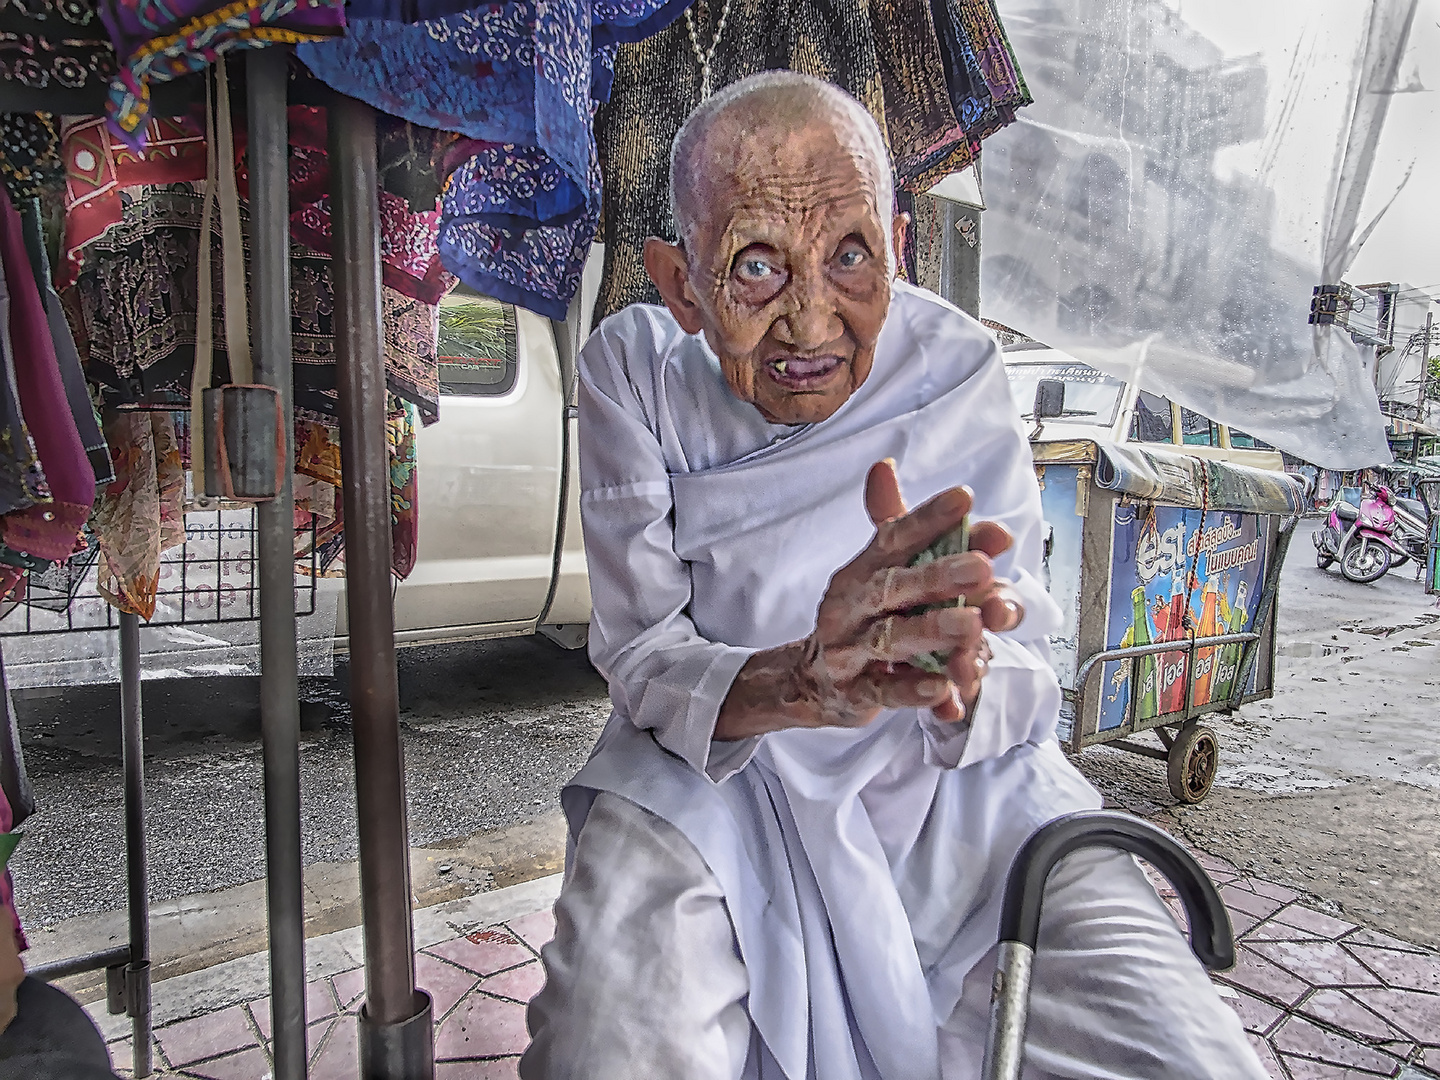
(1009, 1010)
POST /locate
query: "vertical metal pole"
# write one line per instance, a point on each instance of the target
(267, 72)
(132, 752)
(396, 1040)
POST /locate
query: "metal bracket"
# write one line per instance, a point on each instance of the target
(115, 989)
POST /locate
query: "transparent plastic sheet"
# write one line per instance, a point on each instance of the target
(1168, 203)
(205, 620)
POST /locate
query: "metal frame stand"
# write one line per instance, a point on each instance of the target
(267, 74)
(396, 1033)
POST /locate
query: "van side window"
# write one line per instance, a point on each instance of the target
(478, 345)
(1246, 441)
(1198, 430)
(1151, 422)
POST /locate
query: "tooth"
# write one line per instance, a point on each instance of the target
(781, 365)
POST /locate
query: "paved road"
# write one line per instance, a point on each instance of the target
(492, 730)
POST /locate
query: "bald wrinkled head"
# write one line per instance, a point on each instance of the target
(783, 198)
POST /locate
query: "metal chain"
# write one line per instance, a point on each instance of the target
(706, 56)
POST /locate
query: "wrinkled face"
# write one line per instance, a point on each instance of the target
(790, 268)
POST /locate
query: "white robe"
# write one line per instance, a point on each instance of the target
(862, 869)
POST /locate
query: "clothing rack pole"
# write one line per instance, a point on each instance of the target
(267, 75)
(396, 1035)
(136, 981)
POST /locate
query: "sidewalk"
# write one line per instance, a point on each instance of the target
(1323, 999)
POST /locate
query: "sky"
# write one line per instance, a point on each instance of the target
(1405, 246)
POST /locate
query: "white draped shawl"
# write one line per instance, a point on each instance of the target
(862, 868)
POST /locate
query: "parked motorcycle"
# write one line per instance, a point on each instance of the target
(1367, 542)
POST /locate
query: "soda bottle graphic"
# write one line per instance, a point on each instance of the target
(1170, 667)
(1145, 680)
(1230, 654)
(1205, 659)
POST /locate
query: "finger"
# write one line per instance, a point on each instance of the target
(967, 668)
(1002, 609)
(897, 639)
(990, 537)
(902, 687)
(882, 492)
(900, 539)
(945, 581)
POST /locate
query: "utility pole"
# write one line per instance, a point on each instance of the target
(1424, 381)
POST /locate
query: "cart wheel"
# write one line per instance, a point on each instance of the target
(1193, 759)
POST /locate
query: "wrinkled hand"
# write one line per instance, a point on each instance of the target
(858, 655)
(855, 662)
(12, 970)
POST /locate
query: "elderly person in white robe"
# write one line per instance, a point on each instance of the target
(789, 846)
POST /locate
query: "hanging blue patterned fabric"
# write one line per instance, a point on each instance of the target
(520, 78)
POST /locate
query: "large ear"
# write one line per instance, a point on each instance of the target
(669, 269)
(898, 229)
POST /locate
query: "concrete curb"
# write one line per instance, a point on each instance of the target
(247, 978)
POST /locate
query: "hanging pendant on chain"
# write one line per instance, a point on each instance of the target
(706, 56)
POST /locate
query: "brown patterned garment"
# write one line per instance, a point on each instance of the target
(917, 65)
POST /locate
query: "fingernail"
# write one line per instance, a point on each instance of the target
(1013, 609)
(954, 500)
(955, 700)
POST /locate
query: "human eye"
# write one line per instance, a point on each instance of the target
(755, 268)
(852, 253)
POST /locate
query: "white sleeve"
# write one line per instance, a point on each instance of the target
(1020, 695)
(663, 675)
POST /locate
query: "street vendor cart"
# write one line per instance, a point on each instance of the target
(1164, 557)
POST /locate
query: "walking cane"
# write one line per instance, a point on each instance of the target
(1211, 937)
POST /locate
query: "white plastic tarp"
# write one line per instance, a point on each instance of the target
(1186, 176)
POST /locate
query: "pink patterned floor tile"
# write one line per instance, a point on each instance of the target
(1270, 930)
(1402, 970)
(484, 952)
(349, 987)
(1257, 1016)
(1340, 1010)
(249, 1064)
(207, 1036)
(521, 983)
(1307, 918)
(1243, 900)
(339, 1057)
(1270, 981)
(1241, 923)
(1267, 1058)
(1381, 941)
(535, 929)
(496, 1069)
(482, 1027)
(319, 1005)
(1300, 1038)
(1320, 963)
(445, 983)
(1304, 1069)
(1416, 1014)
(1282, 893)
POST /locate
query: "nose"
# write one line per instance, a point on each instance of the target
(811, 319)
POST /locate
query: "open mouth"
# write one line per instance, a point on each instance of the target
(803, 372)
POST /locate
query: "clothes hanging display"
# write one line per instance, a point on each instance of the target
(158, 41)
(22, 482)
(937, 75)
(142, 514)
(132, 238)
(519, 79)
(46, 44)
(29, 153)
(47, 530)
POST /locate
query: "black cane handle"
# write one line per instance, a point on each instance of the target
(1211, 937)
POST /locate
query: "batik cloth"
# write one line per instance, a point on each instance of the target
(156, 42)
(937, 75)
(142, 513)
(54, 44)
(22, 482)
(47, 530)
(320, 510)
(520, 78)
(29, 153)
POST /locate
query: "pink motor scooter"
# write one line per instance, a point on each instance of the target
(1362, 541)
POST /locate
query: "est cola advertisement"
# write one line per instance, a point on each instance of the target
(1175, 571)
